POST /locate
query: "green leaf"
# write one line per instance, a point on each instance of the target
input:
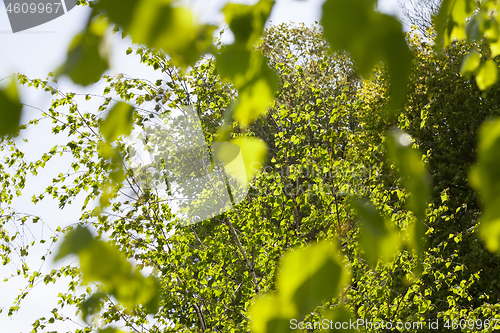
(487, 74)
(88, 55)
(255, 96)
(234, 63)
(369, 37)
(485, 178)
(470, 63)
(119, 121)
(495, 48)
(311, 275)
(378, 239)
(10, 110)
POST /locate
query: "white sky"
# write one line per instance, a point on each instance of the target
(40, 50)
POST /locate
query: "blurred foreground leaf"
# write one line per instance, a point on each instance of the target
(160, 24)
(308, 277)
(416, 181)
(243, 66)
(10, 110)
(271, 315)
(369, 37)
(378, 239)
(88, 54)
(103, 263)
(487, 74)
(450, 21)
(120, 121)
(470, 63)
(311, 276)
(485, 178)
(254, 153)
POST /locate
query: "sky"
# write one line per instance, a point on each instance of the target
(40, 50)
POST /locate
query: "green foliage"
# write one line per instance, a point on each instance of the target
(118, 122)
(443, 113)
(212, 270)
